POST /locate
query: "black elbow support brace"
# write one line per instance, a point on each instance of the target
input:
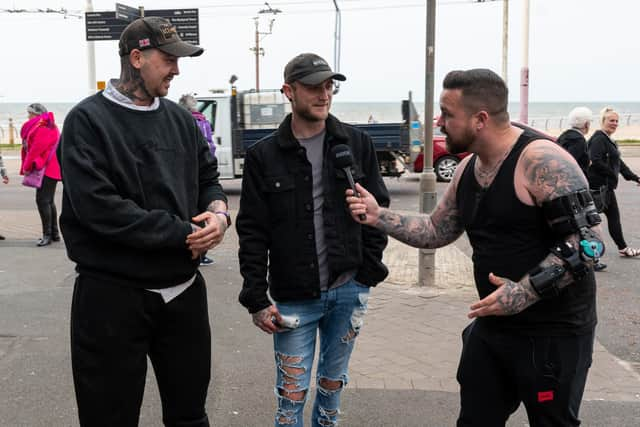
(567, 215)
(545, 280)
(576, 213)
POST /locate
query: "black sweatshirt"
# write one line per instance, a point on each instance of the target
(132, 182)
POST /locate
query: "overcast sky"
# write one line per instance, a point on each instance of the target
(580, 50)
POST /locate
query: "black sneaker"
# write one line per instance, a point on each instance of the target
(1, 237)
(599, 266)
(204, 261)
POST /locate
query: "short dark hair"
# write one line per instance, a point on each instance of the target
(482, 89)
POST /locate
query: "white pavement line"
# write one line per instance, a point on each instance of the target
(628, 367)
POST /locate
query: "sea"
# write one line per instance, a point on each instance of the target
(542, 115)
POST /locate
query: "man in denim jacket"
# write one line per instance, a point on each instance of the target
(307, 266)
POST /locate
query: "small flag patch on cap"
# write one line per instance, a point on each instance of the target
(144, 43)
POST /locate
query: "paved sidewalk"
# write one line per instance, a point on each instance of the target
(403, 367)
(411, 338)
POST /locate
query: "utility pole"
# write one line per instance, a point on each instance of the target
(336, 46)
(257, 49)
(505, 39)
(91, 58)
(428, 196)
(258, 52)
(524, 72)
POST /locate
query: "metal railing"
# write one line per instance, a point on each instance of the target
(547, 123)
(9, 134)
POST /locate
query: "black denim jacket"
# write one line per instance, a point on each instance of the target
(275, 221)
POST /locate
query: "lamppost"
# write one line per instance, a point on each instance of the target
(428, 196)
(91, 57)
(257, 49)
(524, 72)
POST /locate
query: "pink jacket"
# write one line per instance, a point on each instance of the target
(41, 135)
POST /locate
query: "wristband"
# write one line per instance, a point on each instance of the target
(226, 214)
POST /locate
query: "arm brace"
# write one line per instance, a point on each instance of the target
(567, 215)
(575, 213)
(545, 280)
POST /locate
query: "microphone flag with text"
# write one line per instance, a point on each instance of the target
(342, 159)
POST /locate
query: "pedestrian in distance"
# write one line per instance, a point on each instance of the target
(573, 139)
(189, 102)
(141, 204)
(525, 206)
(3, 171)
(606, 165)
(307, 266)
(5, 180)
(40, 136)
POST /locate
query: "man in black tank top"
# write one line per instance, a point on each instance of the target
(526, 344)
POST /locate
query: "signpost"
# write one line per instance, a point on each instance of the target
(109, 25)
(126, 13)
(185, 20)
(103, 26)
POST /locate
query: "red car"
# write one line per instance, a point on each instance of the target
(445, 163)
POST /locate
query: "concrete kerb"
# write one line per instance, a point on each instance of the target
(411, 338)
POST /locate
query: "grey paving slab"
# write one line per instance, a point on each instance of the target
(409, 323)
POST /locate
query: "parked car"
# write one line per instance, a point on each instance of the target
(445, 163)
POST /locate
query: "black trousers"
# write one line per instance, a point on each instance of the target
(47, 207)
(499, 371)
(613, 220)
(114, 329)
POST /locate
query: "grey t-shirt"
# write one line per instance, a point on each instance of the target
(315, 150)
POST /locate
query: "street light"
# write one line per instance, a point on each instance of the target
(336, 46)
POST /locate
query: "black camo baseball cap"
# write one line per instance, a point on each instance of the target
(155, 32)
(309, 69)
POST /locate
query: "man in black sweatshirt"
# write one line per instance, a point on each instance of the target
(141, 203)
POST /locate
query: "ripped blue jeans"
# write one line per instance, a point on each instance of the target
(337, 316)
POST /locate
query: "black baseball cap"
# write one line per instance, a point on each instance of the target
(155, 32)
(309, 69)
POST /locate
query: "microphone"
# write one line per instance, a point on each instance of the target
(342, 159)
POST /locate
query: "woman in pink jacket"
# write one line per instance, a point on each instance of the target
(40, 137)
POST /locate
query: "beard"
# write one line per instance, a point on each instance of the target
(459, 145)
(307, 114)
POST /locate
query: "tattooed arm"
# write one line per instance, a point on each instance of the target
(549, 172)
(544, 172)
(439, 229)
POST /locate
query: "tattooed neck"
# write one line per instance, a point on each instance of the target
(132, 86)
(132, 91)
(485, 176)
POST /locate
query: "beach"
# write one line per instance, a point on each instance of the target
(549, 117)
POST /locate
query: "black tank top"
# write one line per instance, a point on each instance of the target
(509, 239)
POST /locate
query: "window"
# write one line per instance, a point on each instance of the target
(208, 108)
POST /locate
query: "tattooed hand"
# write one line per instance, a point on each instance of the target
(363, 203)
(510, 298)
(262, 319)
